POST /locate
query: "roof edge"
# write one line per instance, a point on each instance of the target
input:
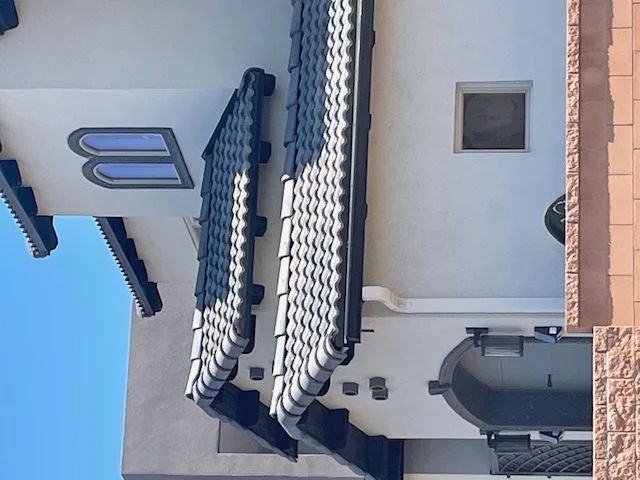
(38, 229)
(145, 293)
(357, 181)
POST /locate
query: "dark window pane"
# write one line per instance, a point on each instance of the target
(493, 121)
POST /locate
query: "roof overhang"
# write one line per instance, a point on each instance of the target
(145, 293)
(20, 199)
(223, 325)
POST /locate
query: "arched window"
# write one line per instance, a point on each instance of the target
(131, 157)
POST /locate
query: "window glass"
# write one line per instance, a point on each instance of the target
(494, 121)
(124, 142)
(126, 157)
(112, 172)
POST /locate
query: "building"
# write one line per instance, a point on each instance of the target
(347, 260)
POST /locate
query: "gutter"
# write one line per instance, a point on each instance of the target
(463, 306)
(361, 125)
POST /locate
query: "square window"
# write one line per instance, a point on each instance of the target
(492, 117)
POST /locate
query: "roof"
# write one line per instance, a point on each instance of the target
(8, 15)
(223, 326)
(38, 229)
(323, 211)
(145, 293)
(322, 241)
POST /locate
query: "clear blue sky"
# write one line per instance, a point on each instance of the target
(64, 334)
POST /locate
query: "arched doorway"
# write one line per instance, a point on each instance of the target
(541, 387)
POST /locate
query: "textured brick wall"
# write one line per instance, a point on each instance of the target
(616, 420)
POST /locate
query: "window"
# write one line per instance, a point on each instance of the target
(492, 117)
(131, 157)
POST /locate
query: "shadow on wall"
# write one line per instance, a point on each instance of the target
(604, 118)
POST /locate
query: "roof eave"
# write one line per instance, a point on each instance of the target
(145, 292)
(21, 201)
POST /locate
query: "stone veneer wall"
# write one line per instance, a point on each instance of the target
(616, 425)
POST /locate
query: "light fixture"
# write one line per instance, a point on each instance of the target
(502, 346)
(547, 334)
(256, 373)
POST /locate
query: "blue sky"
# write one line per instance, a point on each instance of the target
(64, 334)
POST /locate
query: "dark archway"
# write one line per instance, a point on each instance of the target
(549, 388)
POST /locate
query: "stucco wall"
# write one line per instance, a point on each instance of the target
(455, 225)
(146, 63)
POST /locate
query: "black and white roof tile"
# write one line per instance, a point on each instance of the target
(224, 289)
(312, 248)
(223, 325)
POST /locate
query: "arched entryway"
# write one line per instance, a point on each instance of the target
(523, 385)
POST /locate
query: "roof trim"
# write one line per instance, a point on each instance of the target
(357, 177)
(38, 229)
(8, 15)
(145, 293)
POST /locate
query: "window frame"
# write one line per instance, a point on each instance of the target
(95, 159)
(463, 88)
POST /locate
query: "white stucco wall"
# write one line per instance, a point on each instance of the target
(464, 225)
(128, 44)
(143, 63)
